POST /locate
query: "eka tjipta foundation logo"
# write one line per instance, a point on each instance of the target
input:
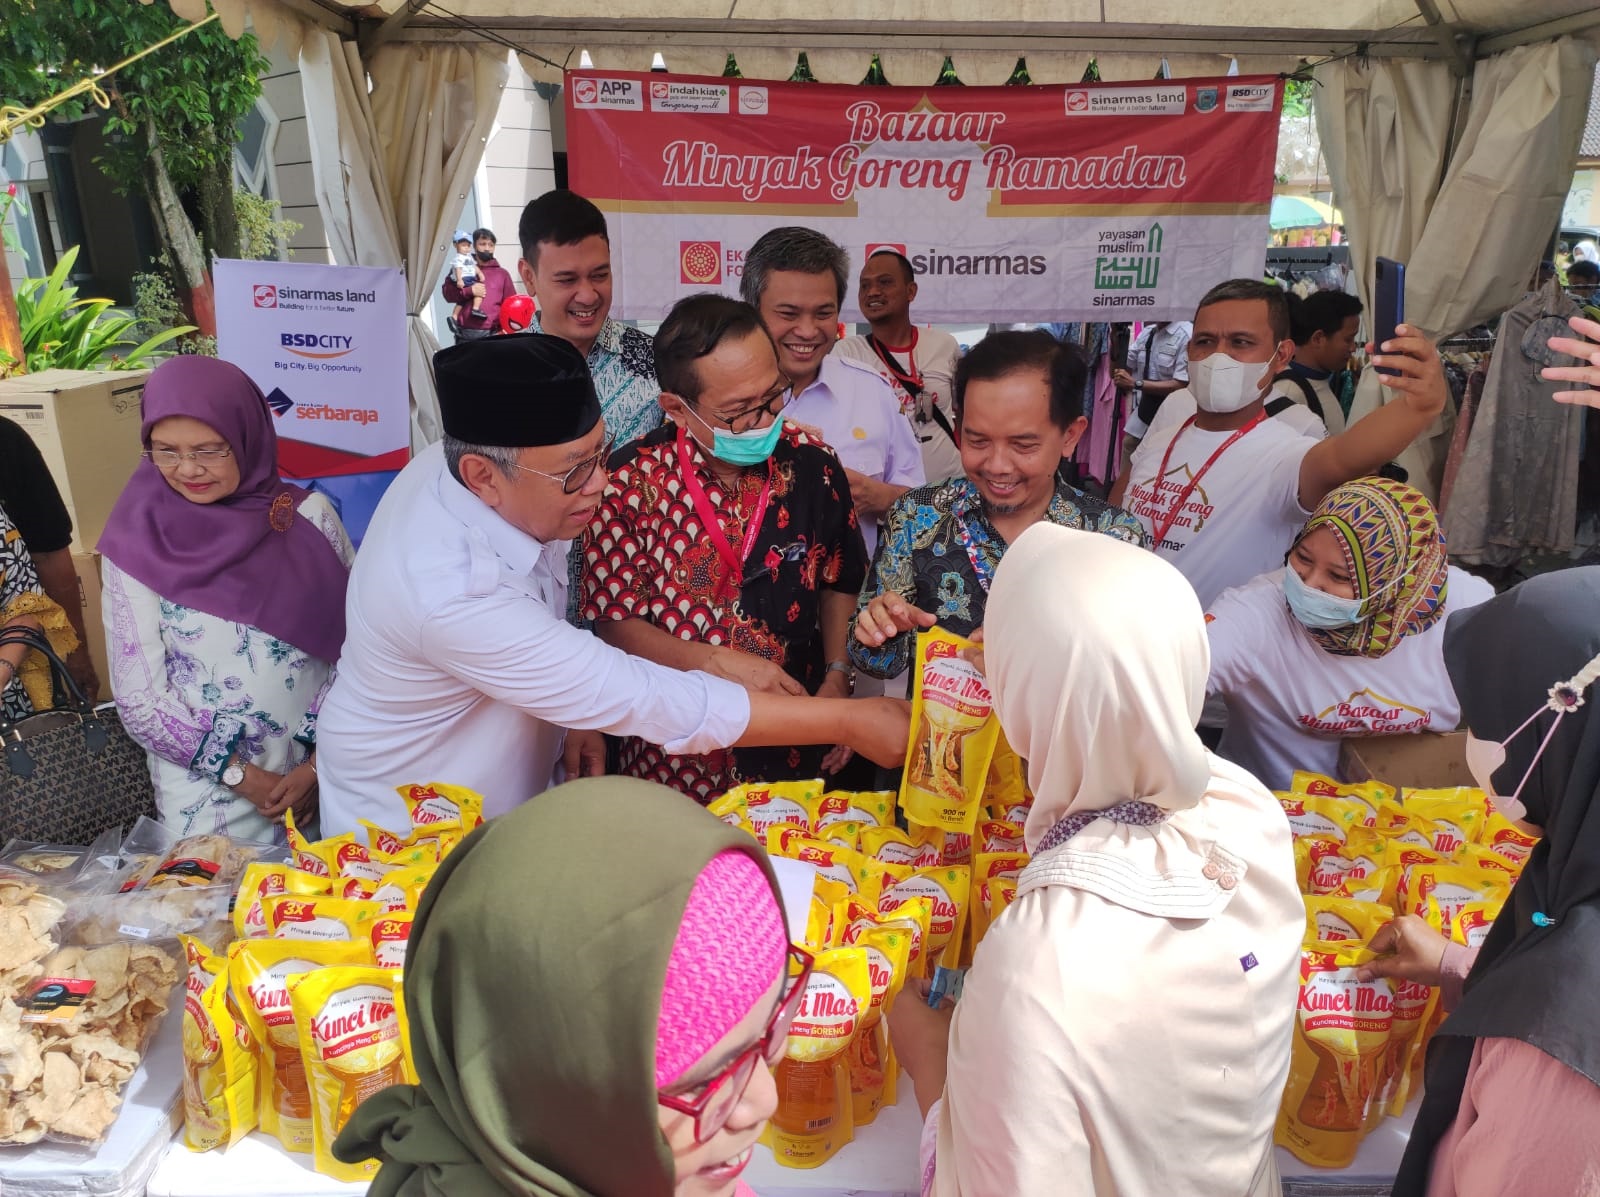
(700, 262)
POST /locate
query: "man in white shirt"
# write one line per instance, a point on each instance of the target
(795, 278)
(1224, 493)
(1158, 366)
(458, 665)
(920, 363)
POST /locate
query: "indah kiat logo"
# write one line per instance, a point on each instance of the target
(317, 345)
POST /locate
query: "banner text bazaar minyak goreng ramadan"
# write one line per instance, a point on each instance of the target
(1111, 201)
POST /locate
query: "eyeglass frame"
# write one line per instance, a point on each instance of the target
(781, 396)
(588, 465)
(204, 457)
(769, 1047)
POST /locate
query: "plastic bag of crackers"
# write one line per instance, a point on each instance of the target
(74, 1020)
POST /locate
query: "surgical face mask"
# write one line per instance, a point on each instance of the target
(1317, 608)
(1221, 384)
(1484, 758)
(746, 448)
(741, 448)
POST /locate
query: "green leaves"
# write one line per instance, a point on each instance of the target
(196, 90)
(61, 331)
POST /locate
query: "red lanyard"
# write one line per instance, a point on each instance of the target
(712, 522)
(1160, 529)
(909, 377)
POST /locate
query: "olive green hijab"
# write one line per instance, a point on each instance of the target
(533, 984)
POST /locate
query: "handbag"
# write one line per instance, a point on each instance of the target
(71, 772)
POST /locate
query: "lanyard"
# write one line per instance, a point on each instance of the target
(909, 378)
(1160, 529)
(712, 522)
(979, 566)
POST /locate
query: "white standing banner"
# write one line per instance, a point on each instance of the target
(327, 347)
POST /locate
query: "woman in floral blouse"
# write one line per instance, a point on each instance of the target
(24, 674)
(224, 607)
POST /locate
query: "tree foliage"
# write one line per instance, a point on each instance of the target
(190, 95)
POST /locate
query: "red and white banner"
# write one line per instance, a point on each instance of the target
(1092, 202)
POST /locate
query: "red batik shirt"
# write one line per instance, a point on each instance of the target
(646, 556)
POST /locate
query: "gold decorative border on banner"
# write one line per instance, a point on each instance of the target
(697, 208)
(998, 207)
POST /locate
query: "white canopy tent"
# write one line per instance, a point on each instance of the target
(1450, 126)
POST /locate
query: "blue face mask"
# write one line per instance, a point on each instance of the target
(746, 448)
(1318, 608)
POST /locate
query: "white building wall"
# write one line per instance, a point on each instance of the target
(293, 185)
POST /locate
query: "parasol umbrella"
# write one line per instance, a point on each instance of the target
(1301, 211)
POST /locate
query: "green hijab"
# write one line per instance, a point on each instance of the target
(533, 984)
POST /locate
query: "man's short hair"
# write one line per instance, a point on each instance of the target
(1588, 272)
(480, 234)
(502, 457)
(561, 218)
(1274, 296)
(1001, 354)
(802, 250)
(692, 330)
(905, 262)
(1321, 312)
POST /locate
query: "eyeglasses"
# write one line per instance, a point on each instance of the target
(573, 480)
(714, 1102)
(771, 404)
(170, 459)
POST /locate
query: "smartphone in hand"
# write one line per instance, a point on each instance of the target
(1389, 304)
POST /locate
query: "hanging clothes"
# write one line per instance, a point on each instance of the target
(1517, 490)
(1099, 453)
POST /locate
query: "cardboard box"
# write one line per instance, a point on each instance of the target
(86, 424)
(88, 567)
(1426, 760)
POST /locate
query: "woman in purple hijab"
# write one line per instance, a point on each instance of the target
(224, 607)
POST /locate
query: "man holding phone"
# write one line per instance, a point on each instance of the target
(1223, 494)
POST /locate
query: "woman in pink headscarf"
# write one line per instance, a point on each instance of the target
(609, 1029)
(1125, 1027)
(224, 606)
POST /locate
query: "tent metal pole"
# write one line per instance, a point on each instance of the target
(1543, 32)
(373, 34)
(1444, 32)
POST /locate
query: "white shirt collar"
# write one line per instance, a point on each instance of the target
(519, 551)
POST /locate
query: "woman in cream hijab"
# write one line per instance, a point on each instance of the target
(1125, 1027)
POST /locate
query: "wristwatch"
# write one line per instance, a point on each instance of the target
(844, 668)
(233, 775)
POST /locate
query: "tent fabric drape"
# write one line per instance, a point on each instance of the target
(393, 168)
(1384, 128)
(1507, 183)
(1471, 243)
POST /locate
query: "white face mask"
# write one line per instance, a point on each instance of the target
(1221, 384)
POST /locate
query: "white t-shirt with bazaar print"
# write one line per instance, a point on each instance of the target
(1242, 514)
(1290, 703)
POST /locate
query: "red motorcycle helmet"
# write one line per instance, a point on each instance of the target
(516, 314)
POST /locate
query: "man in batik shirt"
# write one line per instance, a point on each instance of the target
(1019, 414)
(726, 541)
